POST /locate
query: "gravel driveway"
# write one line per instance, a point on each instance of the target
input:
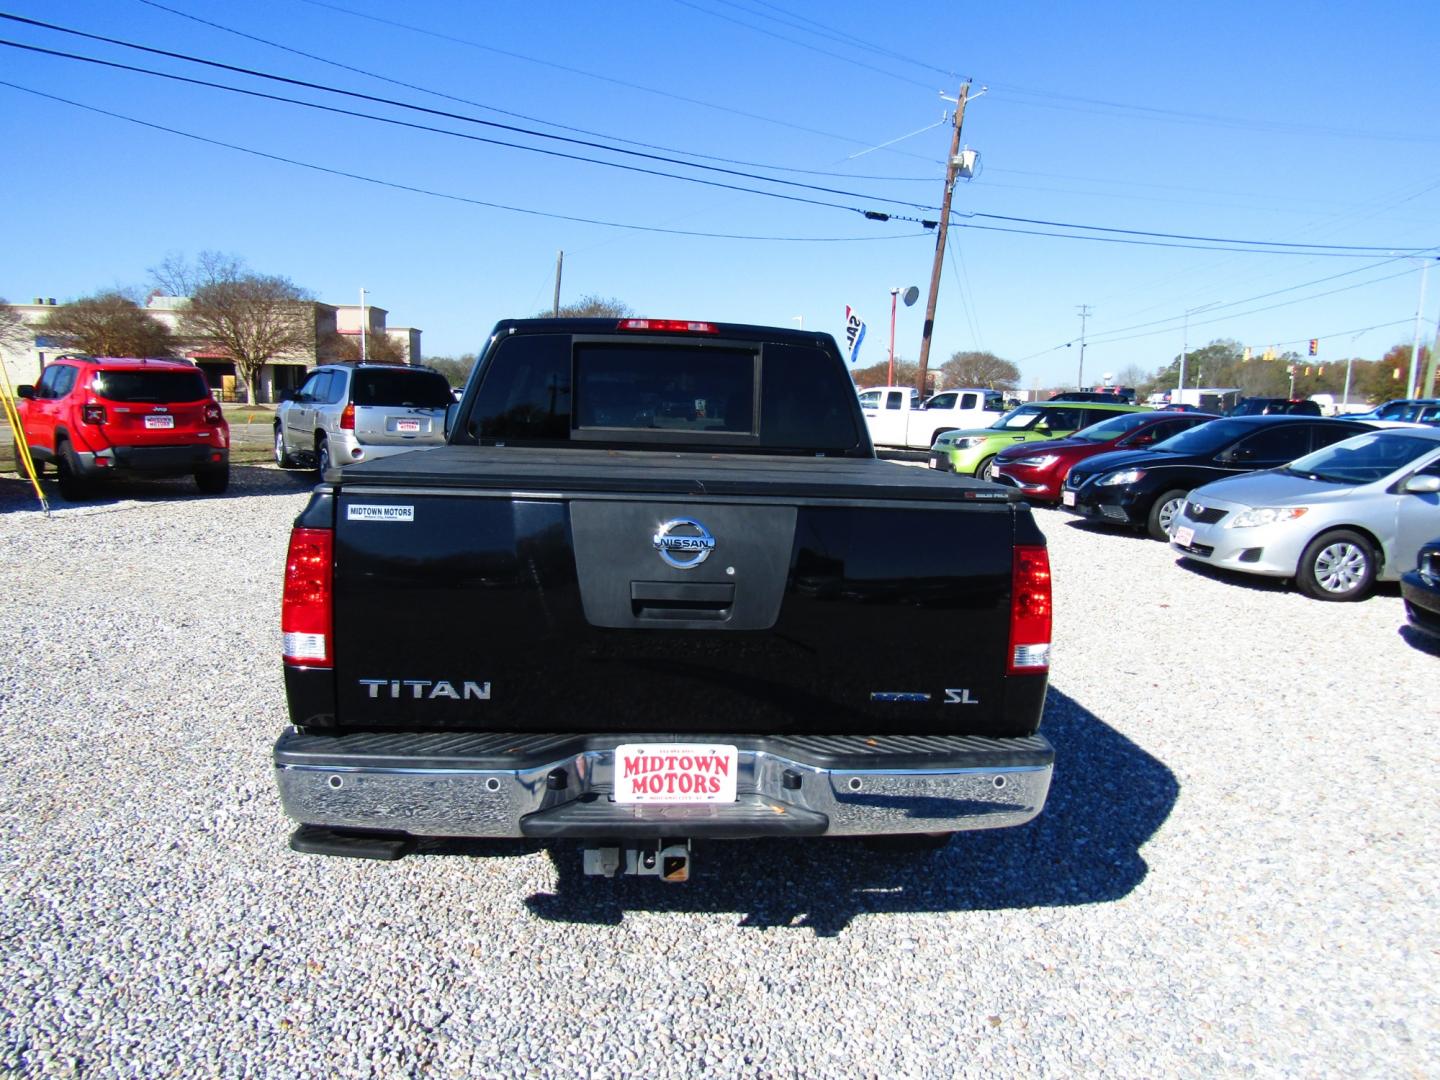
(1236, 873)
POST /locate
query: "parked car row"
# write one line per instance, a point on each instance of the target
(1333, 504)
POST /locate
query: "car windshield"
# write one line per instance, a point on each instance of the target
(138, 385)
(1021, 419)
(1206, 438)
(1114, 427)
(1362, 459)
(401, 388)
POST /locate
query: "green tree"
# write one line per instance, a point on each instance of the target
(980, 369)
(591, 306)
(455, 369)
(108, 324)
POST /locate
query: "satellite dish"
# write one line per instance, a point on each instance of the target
(911, 295)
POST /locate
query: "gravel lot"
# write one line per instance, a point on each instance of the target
(1236, 873)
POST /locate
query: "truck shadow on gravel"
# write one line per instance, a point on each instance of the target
(1107, 799)
(17, 496)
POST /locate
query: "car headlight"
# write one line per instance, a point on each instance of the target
(1124, 476)
(1265, 515)
(967, 444)
(1039, 461)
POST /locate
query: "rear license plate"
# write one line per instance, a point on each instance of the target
(1068, 498)
(154, 422)
(675, 773)
(407, 425)
(1184, 536)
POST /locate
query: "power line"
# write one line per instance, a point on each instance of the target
(519, 115)
(802, 44)
(1132, 242)
(444, 114)
(447, 195)
(469, 43)
(804, 24)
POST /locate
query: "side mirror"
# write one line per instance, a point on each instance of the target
(27, 392)
(1140, 438)
(1422, 485)
(451, 412)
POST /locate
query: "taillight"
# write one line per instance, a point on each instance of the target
(212, 413)
(347, 418)
(306, 608)
(674, 326)
(92, 414)
(1030, 611)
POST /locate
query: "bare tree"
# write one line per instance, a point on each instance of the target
(14, 334)
(109, 324)
(253, 318)
(983, 369)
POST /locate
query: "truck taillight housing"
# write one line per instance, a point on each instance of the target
(307, 606)
(1030, 611)
(92, 414)
(212, 413)
(671, 326)
(347, 418)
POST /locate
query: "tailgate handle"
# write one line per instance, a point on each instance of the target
(689, 600)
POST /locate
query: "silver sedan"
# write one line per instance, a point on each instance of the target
(1336, 520)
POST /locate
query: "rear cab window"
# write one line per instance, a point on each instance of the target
(764, 397)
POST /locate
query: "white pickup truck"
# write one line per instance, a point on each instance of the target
(897, 418)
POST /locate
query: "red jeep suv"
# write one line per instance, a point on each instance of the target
(106, 416)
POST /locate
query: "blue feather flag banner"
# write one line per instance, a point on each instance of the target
(854, 333)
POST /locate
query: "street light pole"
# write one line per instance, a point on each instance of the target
(890, 378)
(1080, 375)
(364, 328)
(1412, 384)
(1185, 343)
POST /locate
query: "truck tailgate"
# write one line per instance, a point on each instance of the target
(520, 590)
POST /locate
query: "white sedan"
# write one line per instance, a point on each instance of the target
(1336, 520)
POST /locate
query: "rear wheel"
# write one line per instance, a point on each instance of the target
(322, 455)
(986, 469)
(1162, 513)
(73, 485)
(1337, 565)
(282, 455)
(213, 481)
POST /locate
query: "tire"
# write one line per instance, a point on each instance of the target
(282, 455)
(74, 487)
(986, 469)
(322, 456)
(1338, 565)
(213, 481)
(1162, 512)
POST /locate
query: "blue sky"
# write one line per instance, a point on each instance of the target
(1257, 122)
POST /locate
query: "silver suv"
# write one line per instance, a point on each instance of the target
(346, 413)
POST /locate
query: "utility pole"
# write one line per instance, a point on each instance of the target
(951, 164)
(1080, 377)
(1412, 384)
(559, 266)
(364, 327)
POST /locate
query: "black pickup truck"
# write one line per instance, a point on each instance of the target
(656, 586)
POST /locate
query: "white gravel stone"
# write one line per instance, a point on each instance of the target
(1236, 873)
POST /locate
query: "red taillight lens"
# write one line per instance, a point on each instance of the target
(306, 608)
(1030, 611)
(212, 413)
(673, 326)
(92, 414)
(347, 418)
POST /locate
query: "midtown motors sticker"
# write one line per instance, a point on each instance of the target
(369, 512)
(675, 773)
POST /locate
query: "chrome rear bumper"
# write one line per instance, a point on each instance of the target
(559, 786)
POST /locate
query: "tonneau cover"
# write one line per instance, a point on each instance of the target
(510, 469)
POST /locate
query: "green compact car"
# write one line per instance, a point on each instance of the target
(973, 451)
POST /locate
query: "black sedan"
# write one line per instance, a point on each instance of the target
(1421, 590)
(1145, 488)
